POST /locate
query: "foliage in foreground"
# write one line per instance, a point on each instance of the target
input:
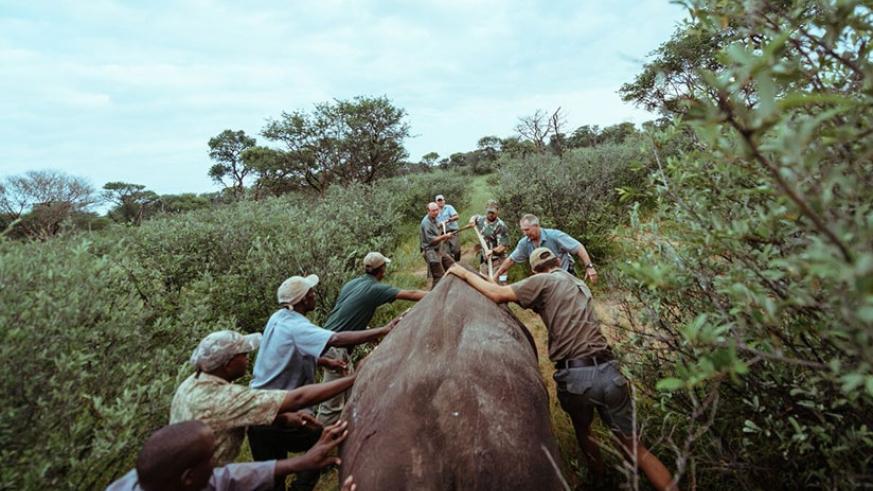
(97, 328)
(753, 279)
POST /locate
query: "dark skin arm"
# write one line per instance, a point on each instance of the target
(308, 395)
(413, 295)
(319, 456)
(354, 338)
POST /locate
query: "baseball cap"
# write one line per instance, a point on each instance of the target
(294, 288)
(216, 349)
(540, 255)
(491, 206)
(374, 260)
(439, 197)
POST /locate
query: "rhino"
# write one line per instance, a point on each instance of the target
(452, 399)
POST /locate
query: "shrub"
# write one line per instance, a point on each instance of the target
(97, 328)
(753, 277)
(577, 193)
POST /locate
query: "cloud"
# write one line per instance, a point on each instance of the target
(124, 91)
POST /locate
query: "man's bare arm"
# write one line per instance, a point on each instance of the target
(413, 295)
(496, 293)
(504, 267)
(319, 456)
(590, 273)
(308, 395)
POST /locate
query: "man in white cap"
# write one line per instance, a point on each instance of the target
(357, 302)
(289, 350)
(449, 216)
(178, 457)
(209, 395)
(587, 375)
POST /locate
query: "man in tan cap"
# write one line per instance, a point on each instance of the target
(587, 374)
(357, 302)
(209, 395)
(287, 359)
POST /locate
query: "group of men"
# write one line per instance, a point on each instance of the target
(440, 244)
(211, 415)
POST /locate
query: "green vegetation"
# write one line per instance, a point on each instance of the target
(752, 279)
(98, 327)
(737, 232)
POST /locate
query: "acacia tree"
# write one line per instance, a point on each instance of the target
(230, 169)
(430, 159)
(40, 201)
(339, 142)
(130, 200)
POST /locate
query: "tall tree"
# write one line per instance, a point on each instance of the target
(42, 200)
(430, 158)
(130, 200)
(340, 142)
(489, 147)
(230, 168)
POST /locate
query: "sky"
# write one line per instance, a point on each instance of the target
(132, 91)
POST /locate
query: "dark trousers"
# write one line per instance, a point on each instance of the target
(454, 246)
(273, 442)
(437, 265)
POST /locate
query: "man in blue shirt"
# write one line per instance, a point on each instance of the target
(560, 243)
(290, 348)
(449, 216)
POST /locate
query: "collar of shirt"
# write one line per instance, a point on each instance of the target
(542, 239)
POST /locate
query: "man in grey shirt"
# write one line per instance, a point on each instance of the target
(179, 457)
(433, 244)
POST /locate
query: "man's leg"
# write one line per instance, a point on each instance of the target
(265, 444)
(616, 410)
(271, 442)
(437, 271)
(301, 441)
(581, 415)
(651, 465)
(330, 410)
(455, 246)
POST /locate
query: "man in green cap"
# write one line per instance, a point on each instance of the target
(496, 237)
(357, 302)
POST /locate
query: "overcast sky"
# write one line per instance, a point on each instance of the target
(132, 91)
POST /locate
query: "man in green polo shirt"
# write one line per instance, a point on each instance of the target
(357, 302)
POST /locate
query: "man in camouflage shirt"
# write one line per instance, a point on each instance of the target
(496, 237)
(210, 396)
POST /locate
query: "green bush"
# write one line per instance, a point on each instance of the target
(412, 193)
(577, 193)
(753, 279)
(97, 328)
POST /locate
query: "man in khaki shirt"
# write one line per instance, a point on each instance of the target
(210, 396)
(587, 375)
